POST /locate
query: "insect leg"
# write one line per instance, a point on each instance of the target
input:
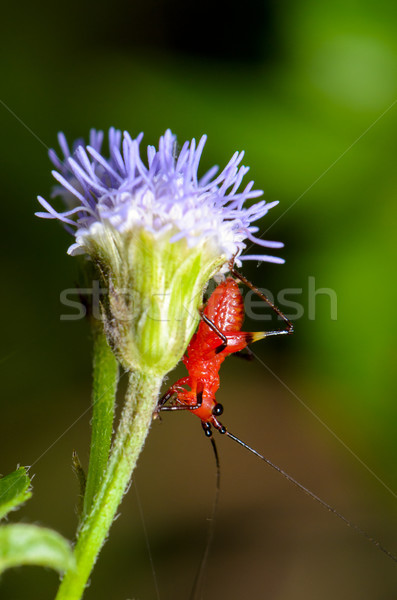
(172, 390)
(199, 401)
(289, 327)
(245, 354)
(218, 332)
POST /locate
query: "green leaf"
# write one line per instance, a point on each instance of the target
(14, 490)
(23, 544)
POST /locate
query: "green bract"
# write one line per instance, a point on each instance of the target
(154, 289)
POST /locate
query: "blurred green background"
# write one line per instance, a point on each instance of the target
(307, 89)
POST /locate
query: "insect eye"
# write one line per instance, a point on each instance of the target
(217, 410)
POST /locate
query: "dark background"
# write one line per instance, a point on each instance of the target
(307, 90)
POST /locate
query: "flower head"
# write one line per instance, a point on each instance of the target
(156, 232)
(164, 197)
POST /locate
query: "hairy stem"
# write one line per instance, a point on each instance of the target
(105, 378)
(140, 401)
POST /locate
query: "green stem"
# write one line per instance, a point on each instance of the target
(140, 401)
(105, 378)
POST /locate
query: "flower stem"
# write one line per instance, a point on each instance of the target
(105, 378)
(140, 401)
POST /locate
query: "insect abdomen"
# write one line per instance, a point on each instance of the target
(226, 307)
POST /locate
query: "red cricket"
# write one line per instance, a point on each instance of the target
(219, 334)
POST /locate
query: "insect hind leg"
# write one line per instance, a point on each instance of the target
(216, 330)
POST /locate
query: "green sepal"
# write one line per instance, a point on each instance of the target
(155, 289)
(23, 544)
(14, 491)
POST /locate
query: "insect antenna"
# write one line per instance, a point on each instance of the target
(314, 497)
(200, 575)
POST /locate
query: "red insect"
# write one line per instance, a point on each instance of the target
(219, 334)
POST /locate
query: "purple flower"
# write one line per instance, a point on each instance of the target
(166, 197)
